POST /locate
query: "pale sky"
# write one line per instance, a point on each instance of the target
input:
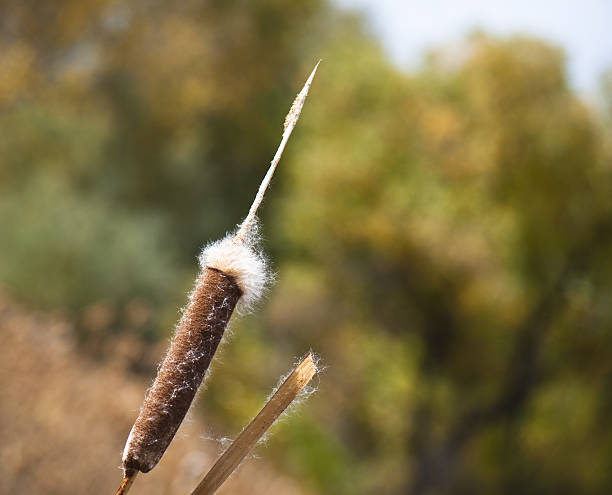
(582, 27)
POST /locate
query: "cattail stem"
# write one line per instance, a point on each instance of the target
(237, 451)
(290, 122)
(127, 482)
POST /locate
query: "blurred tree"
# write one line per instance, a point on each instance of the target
(458, 215)
(163, 114)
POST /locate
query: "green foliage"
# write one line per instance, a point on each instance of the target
(456, 213)
(441, 237)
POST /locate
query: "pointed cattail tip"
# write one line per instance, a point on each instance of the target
(298, 103)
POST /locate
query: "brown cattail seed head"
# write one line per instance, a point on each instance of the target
(180, 375)
(231, 271)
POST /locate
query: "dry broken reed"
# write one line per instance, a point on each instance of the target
(256, 429)
(233, 272)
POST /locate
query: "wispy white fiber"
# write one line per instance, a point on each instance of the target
(241, 259)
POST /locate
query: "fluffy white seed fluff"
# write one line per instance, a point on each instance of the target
(241, 259)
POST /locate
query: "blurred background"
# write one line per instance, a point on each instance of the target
(440, 226)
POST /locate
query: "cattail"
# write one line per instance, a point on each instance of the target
(233, 273)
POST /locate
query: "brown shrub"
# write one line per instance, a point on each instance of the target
(64, 420)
